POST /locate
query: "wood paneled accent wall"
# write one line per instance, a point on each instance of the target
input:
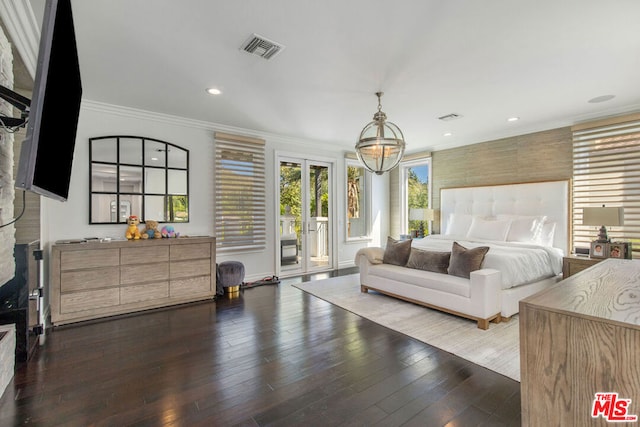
(540, 156)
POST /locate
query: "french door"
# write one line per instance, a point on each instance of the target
(305, 235)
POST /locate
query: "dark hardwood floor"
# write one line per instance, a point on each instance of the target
(273, 356)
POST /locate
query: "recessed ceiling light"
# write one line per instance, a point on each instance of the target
(513, 119)
(214, 91)
(602, 98)
(447, 134)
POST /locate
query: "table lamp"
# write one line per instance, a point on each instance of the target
(422, 215)
(603, 217)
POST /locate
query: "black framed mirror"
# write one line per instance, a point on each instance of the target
(134, 175)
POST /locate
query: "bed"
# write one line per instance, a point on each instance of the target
(526, 228)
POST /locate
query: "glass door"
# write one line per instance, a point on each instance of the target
(305, 242)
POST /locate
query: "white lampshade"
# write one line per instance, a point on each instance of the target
(421, 214)
(603, 216)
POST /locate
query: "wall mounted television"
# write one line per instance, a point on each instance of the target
(46, 156)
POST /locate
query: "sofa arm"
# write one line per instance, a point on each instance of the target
(486, 286)
(373, 254)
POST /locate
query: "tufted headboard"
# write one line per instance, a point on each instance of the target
(550, 198)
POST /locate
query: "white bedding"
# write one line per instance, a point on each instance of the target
(519, 263)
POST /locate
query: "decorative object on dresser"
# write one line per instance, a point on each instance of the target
(577, 339)
(93, 280)
(603, 217)
(621, 250)
(150, 230)
(132, 233)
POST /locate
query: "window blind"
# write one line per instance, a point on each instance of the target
(606, 171)
(240, 222)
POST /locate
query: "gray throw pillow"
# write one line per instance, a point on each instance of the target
(438, 262)
(464, 261)
(397, 251)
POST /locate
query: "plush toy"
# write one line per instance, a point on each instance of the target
(132, 230)
(168, 231)
(151, 230)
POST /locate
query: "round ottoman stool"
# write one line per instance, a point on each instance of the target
(230, 274)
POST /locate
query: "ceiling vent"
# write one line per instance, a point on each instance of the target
(448, 117)
(262, 47)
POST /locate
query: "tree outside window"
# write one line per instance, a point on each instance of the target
(417, 185)
(356, 204)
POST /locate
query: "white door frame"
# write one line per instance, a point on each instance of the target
(304, 160)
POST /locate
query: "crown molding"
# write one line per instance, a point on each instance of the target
(21, 24)
(130, 112)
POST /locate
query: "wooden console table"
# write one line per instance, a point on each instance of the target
(578, 338)
(92, 279)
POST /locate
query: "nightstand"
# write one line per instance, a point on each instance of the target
(573, 264)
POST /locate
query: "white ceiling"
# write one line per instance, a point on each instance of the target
(485, 60)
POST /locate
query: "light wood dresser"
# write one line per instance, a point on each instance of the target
(578, 338)
(93, 280)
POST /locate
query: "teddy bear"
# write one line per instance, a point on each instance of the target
(151, 230)
(132, 230)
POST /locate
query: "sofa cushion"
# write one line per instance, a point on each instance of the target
(437, 262)
(463, 261)
(397, 251)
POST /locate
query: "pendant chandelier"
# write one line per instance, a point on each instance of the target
(381, 143)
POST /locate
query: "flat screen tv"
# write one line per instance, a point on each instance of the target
(46, 156)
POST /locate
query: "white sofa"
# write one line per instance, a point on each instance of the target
(477, 298)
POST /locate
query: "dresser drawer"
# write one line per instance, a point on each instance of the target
(73, 260)
(80, 280)
(184, 288)
(200, 267)
(130, 274)
(144, 255)
(89, 300)
(147, 292)
(193, 251)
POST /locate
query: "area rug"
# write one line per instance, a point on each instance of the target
(497, 348)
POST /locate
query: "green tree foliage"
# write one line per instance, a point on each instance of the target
(417, 194)
(290, 189)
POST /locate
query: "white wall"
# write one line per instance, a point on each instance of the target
(70, 219)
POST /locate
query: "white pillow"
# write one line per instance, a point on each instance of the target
(546, 234)
(524, 228)
(484, 229)
(458, 224)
